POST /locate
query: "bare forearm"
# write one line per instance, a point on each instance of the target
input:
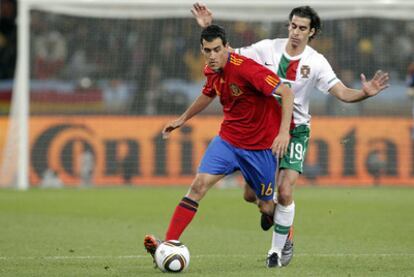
(368, 88)
(287, 110)
(281, 142)
(352, 95)
(196, 107)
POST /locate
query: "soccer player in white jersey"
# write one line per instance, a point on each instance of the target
(303, 69)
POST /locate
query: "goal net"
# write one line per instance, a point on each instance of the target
(97, 80)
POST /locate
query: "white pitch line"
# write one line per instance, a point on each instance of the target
(72, 257)
(203, 256)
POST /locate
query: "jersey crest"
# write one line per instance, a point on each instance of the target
(305, 71)
(236, 91)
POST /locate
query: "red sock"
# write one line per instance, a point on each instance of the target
(181, 218)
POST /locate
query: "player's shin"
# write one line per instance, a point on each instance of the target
(283, 219)
(183, 215)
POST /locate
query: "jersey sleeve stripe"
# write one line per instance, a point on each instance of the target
(271, 78)
(331, 80)
(236, 61)
(271, 81)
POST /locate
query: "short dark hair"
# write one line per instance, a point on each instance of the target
(308, 12)
(212, 32)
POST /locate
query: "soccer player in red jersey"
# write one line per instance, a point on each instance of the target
(253, 135)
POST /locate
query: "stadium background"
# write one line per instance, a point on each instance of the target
(102, 85)
(101, 89)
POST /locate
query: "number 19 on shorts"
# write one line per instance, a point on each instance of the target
(296, 151)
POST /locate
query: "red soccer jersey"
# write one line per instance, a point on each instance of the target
(251, 114)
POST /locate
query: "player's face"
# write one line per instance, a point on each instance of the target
(299, 31)
(215, 53)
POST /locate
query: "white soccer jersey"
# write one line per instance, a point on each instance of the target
(302, 73)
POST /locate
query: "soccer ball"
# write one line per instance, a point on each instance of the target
(172, 256)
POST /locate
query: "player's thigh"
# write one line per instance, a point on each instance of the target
(219, 158)
(297, 149)
(259, 169)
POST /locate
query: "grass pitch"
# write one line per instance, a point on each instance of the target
(99, 232)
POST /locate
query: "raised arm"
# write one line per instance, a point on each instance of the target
(202, 14)
(197, 106)
(369, 88)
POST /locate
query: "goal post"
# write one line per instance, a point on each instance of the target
(16, 158)
(14, 170)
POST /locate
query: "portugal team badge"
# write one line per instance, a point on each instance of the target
(304, 71)
(236, 91)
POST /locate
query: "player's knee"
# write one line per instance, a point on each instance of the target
(198, 189)
(285, 188)
(284, 193)
(197, 192)
(284, 196)
(249, 196)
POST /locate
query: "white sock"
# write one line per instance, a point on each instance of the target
(283, 219)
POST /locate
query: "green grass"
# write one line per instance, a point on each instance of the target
(99, 232)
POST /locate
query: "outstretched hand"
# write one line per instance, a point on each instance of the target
(202, 14)
(378, 83)
(171, 127)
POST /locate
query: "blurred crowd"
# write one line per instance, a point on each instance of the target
(8, 38)
(154, 66)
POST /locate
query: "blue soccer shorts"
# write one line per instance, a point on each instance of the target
(258, 167)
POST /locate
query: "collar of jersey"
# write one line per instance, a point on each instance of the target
(295, 58)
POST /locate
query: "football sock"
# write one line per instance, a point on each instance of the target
(283, 218)
(182, 216)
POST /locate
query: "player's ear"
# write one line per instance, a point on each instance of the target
(202, 45)
(312, 32)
